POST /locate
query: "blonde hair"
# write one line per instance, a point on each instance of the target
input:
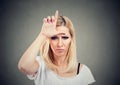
(46, 52)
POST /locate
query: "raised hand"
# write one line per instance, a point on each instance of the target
(49, 25)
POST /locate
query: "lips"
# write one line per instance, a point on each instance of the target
(60, 50)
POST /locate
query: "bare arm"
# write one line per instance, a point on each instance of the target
(28, 63)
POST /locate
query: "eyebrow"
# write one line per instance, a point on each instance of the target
(61, 34)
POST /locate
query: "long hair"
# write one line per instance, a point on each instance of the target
(46, 51)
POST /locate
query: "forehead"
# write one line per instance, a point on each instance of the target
(63, 30)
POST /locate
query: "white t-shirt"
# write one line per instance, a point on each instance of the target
(45, 76)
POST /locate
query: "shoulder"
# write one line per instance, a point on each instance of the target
(86, 74)
(86, 71)
(84, 67)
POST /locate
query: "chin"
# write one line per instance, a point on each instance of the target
(60, 54)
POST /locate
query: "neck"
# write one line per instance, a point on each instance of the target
(60, 60)
(61, 63)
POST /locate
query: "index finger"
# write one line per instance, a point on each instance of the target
(56, 14)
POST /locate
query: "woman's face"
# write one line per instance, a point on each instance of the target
(60, 43)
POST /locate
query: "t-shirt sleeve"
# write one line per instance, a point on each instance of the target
(34, 76)
(89, 76)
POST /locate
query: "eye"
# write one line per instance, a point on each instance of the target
(54, 38)
(65, 37)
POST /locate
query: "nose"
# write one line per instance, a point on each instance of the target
(60, 42)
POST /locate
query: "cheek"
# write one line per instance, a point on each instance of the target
(52, 45)
(68, 44)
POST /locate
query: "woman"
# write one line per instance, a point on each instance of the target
(57, 63)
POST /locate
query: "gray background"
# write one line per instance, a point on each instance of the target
(97, 30)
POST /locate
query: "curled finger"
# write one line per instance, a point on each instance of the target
(48, 19)
(53, 19)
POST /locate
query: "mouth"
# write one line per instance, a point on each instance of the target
(60, 50)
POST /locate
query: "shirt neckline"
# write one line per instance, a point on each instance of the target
(63, 78)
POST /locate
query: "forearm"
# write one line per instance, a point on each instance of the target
(28, 62)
